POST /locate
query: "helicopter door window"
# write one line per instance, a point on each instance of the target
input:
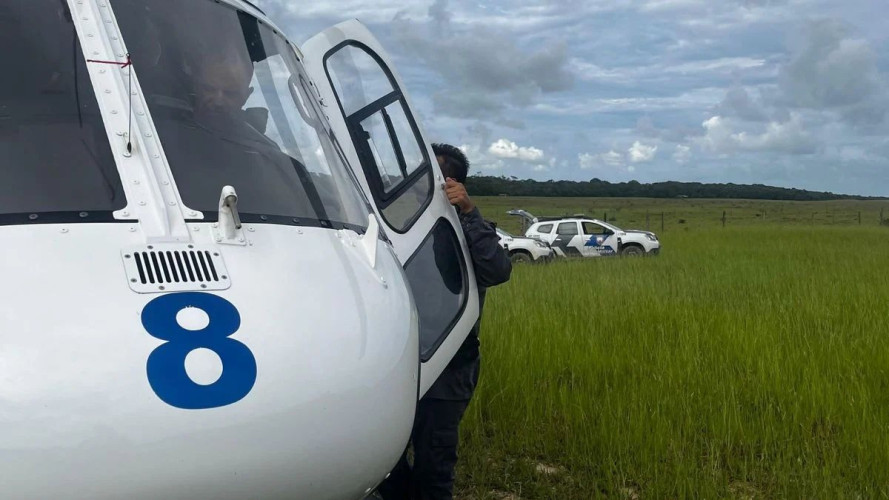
(411, 152)
(403, 210)
(437, 275)
(357, 78)
(388, 132)
(393, 157)
(55, 159)
(380, 144)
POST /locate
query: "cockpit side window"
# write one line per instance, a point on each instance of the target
(225, 94)
(55, 158)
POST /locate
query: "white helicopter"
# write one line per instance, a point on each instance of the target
(229, 269)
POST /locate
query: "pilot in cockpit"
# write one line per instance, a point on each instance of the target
(221, 89)
(222, 143)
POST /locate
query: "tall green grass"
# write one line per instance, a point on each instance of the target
(746, 362)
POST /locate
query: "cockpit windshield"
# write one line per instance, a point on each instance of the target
(55, 157)
(230, 103)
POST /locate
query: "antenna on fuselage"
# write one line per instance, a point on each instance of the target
(130, 111)
(126, 64)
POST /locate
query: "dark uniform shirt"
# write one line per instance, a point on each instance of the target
(492, 267)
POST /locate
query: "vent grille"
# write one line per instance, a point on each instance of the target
(158, 268)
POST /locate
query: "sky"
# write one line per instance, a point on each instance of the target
(790, 93)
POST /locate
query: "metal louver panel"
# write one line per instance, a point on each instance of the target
(174, 268)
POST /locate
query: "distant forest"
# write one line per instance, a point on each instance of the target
(511, 186)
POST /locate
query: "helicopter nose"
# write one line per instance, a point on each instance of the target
(298, 381)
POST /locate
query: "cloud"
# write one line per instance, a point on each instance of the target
(439, 13)
(641, 153)
(738, 103)
(470, 105)
(369, 12)
(485, 70)
(610, 159)
(707, 67)
(645, 127)
(788, 137)
(505, 148)
(830, 69)
(575, 105)
(682, 154)
(480, 131)
(718, 136)
(722, 136)
(475, 156)
(661, 5)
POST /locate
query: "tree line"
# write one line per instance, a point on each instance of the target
(595, 188)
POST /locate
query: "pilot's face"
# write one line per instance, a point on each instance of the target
(222, 87)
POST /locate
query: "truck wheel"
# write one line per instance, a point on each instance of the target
(632, 251)
(520, 258)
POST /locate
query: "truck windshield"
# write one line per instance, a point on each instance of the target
(230, 103)
(55, 158)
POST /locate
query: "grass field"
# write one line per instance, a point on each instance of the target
(750, 361)
(689, 214)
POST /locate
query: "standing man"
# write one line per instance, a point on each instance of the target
(435, 433)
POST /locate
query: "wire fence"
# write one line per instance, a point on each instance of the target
(669, 215)
(673, 219)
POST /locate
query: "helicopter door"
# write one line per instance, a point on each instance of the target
(371, 116)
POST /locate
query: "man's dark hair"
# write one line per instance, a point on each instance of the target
(456, 164)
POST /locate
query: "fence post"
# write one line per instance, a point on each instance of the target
(662, 222)
(859, 218)
(647, 221)
(723, 218)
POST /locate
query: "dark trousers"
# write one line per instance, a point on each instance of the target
(434, 440)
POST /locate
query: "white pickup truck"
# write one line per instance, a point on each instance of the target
(523, 249)
(584, 237)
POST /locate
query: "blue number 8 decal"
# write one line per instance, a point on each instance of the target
(166, 364)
